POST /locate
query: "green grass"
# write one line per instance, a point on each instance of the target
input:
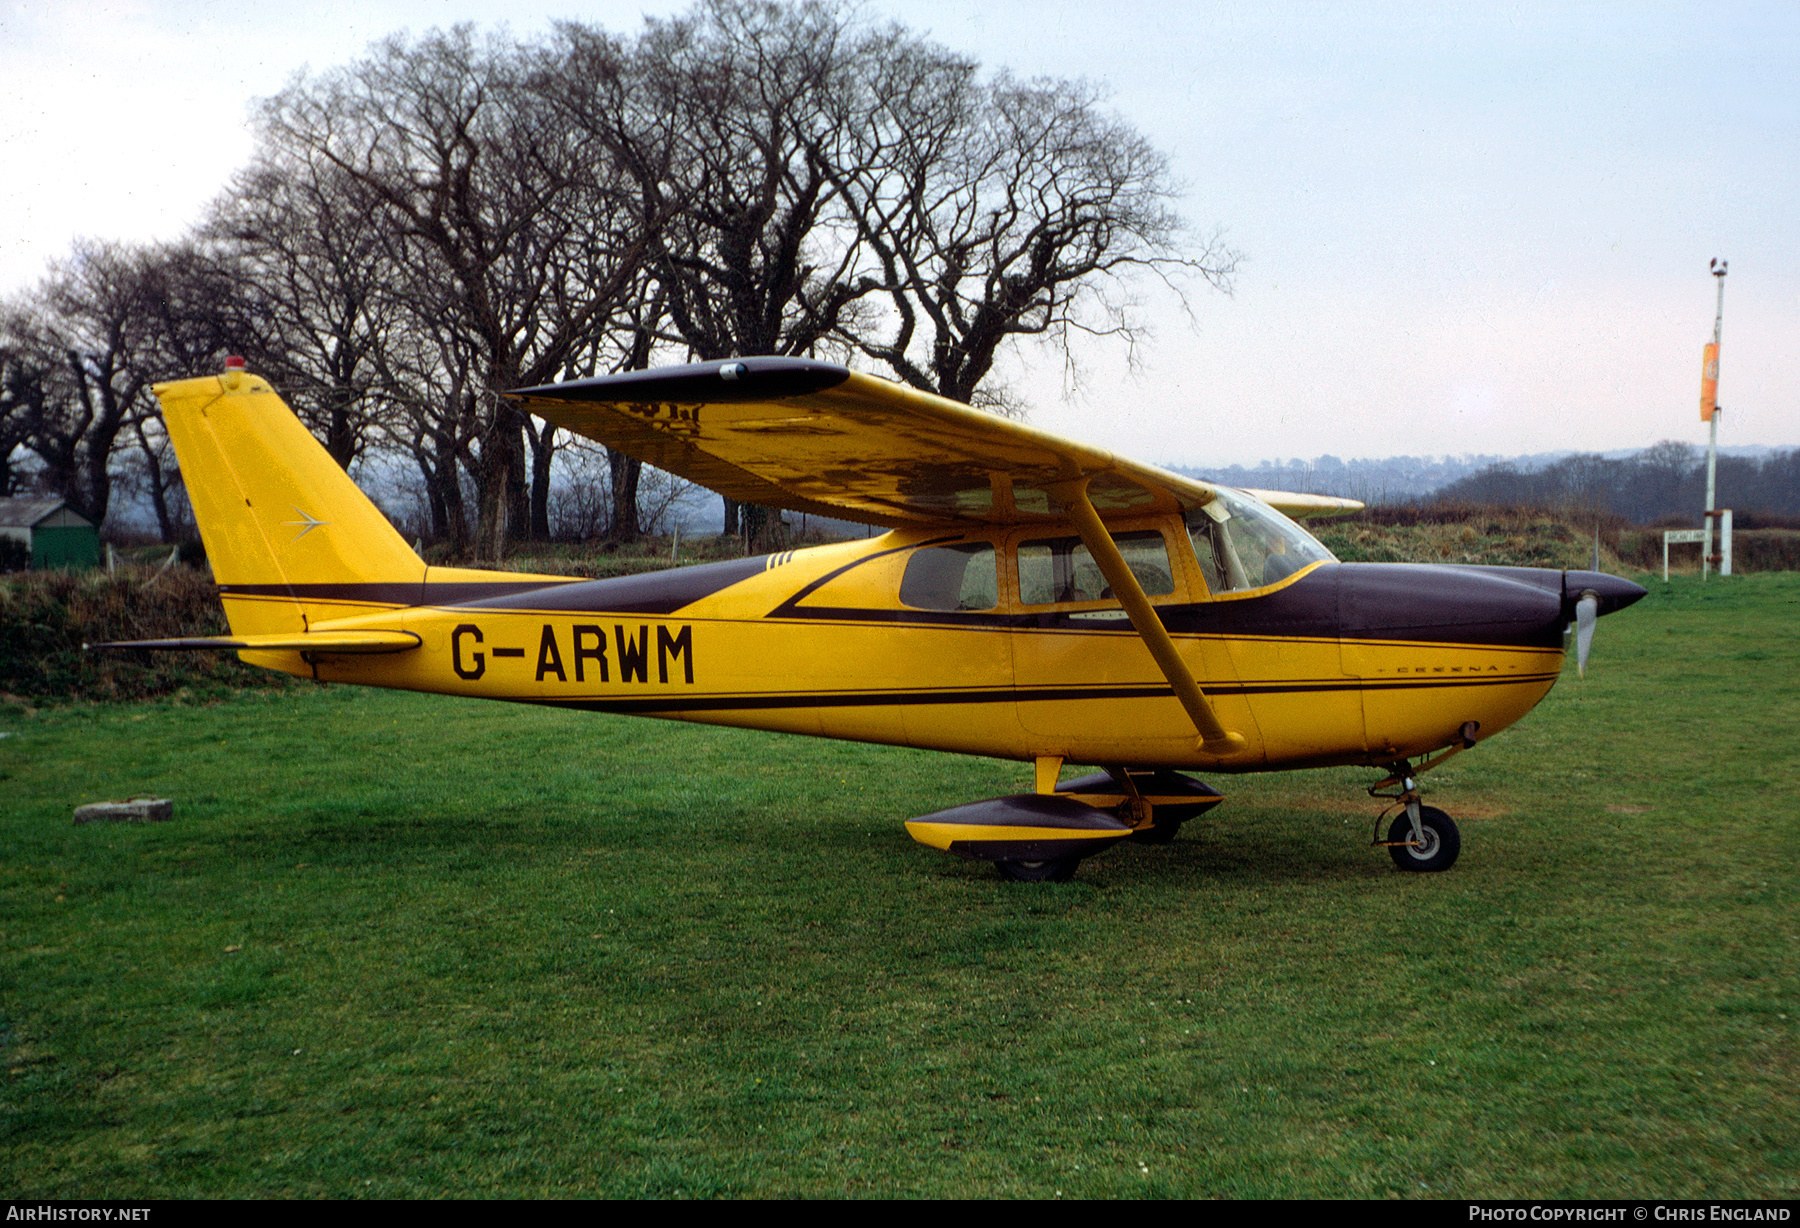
(397, 945)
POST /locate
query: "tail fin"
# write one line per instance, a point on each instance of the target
(291, 539)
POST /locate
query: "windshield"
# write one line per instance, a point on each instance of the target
(1242, 543)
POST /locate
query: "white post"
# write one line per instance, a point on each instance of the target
(1725, 543)
(1712, 461)
(1712, 445)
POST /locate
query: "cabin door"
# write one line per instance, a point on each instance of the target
(1087, 686)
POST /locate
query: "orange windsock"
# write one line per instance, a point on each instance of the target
(1709, 381)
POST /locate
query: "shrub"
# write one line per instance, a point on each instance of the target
(46, 617)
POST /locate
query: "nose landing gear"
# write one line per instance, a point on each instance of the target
(1421, 838)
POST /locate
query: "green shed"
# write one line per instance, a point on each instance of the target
(56, 534)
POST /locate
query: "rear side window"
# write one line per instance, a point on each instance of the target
(1060, 569)
(958, 577)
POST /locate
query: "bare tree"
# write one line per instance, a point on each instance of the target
(741, 94)
(438, 394)
(83, 349)
(716, 117)
(848, 187)
(456, 216)
(320, 268)
(23, 393)
(1000, 211)
(500, 207)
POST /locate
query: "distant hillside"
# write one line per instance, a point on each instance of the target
(1668, 479)
(1393, 479)
(1514, 537)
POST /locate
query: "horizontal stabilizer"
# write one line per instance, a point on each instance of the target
(365, 642)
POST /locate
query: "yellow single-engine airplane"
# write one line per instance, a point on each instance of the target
(1034, 599)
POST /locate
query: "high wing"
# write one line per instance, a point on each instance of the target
(819, 438)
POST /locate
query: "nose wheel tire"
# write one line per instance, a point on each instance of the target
(1437, 851)
(1055, 870)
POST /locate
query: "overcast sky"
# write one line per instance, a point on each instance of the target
(1468, 228)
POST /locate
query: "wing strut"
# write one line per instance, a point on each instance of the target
(1214, 737)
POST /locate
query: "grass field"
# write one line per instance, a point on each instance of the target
(397, 945)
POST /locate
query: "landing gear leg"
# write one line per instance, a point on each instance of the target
(1421, 838)
(1152, 802)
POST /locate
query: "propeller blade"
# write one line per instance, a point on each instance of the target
(1587, 613)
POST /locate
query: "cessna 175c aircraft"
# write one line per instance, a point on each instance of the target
(1035, 599)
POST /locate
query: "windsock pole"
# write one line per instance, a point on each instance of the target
(1709, 412)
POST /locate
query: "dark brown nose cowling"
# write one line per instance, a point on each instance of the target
(1441, 588)
(1515, 606)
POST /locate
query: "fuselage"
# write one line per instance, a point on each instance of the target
(993, 643)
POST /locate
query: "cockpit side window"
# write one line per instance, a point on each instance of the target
(955, 577)
(1057, 569)
(1242, 543)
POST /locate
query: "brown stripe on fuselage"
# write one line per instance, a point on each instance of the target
(1007, 695)
(652, 592)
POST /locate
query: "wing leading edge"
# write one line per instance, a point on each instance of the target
(816, 437)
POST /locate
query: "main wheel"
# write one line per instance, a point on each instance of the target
(1164, 832)
(1438, 851)
(1055, 870)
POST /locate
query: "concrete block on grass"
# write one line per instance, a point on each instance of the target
(137, 810)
